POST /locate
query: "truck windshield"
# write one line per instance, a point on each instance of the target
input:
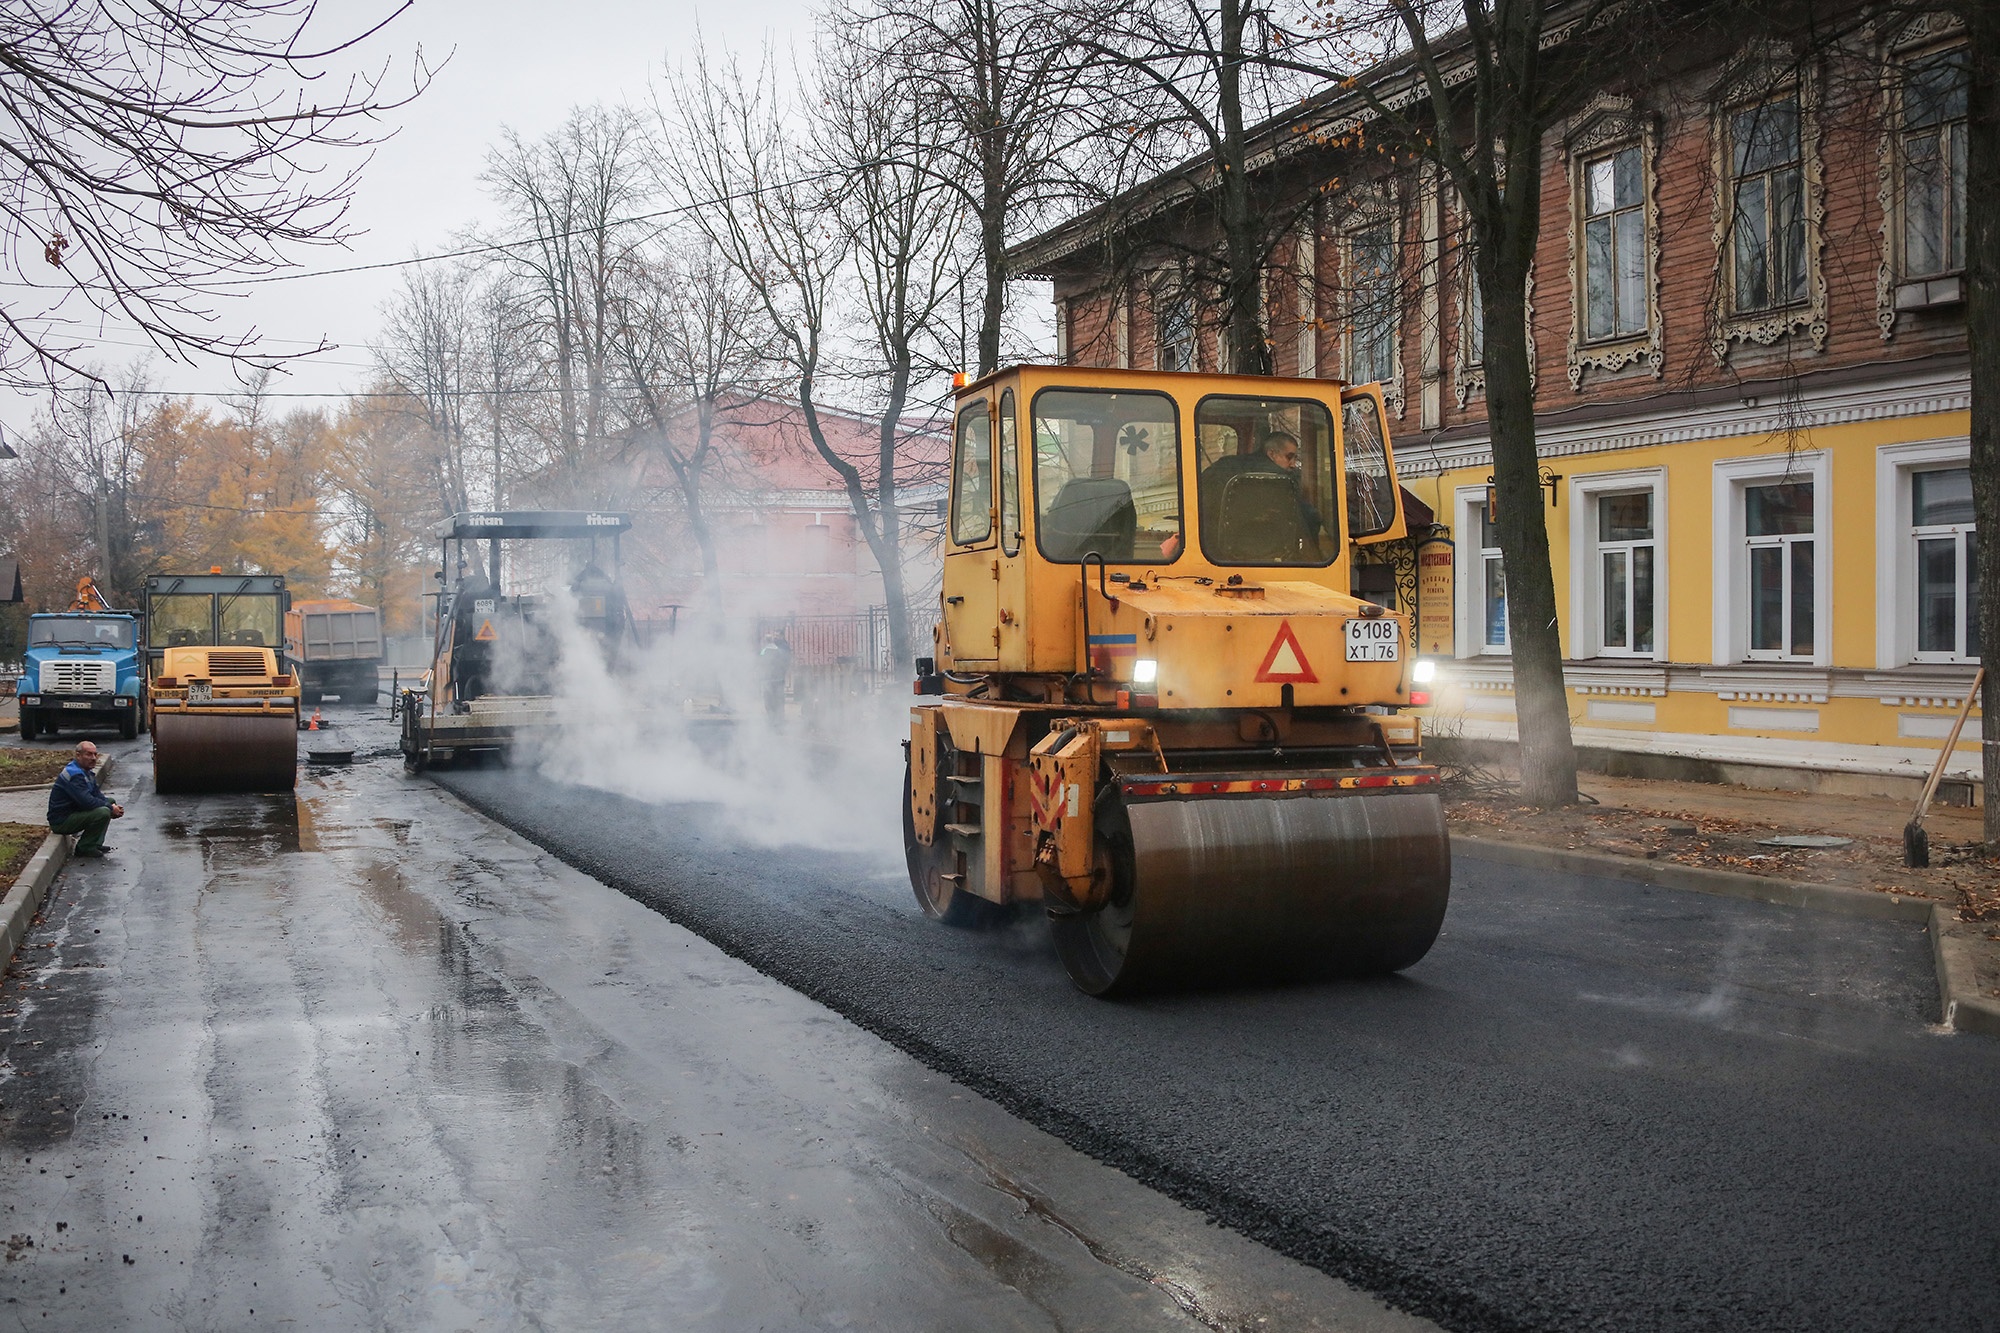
(80, 632)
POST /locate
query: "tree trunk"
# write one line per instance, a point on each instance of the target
(1242, 229)
(993, 242)
(1982, 335)
(1548, 755)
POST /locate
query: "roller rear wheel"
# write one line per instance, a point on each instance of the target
(941, 899)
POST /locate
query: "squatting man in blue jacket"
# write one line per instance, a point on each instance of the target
(77, 806)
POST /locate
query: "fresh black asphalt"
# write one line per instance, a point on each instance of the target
(1594, 1105)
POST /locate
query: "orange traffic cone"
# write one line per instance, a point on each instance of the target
(315, 721)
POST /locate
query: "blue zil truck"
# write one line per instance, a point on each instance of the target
(83, 669)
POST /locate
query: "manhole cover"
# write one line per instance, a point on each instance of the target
(1816, 840)
(330, 756)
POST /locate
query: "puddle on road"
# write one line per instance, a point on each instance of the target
(274, 821)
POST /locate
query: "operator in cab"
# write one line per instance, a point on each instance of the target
(76, 805)
(1277, 455)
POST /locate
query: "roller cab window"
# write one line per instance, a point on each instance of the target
(182, 619)
(1265, 482)
(972, 477)
(1372, 510)
(1107, 476)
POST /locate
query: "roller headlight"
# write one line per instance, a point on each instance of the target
(1424, 672)
(1145, 671)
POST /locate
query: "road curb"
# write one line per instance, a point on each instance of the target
(1965, 1008)
(1724, 883)
(18, 908)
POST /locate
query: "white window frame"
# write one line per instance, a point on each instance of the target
(1731, 642)
(1896, 546)
(1586, 600)
(1468, 504)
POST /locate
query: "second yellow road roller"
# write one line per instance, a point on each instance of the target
(1155, 709)
(225, 705)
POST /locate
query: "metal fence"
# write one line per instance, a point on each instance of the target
(856, 644)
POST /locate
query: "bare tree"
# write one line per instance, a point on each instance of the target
(1000, 82)
(157, 146)
(1184, 82)
(427, 351)
(568, 199)
(697, 349)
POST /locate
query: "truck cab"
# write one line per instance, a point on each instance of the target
(83, 669)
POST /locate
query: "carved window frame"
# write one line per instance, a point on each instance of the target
(1752, 83)
(1608, 124)
(1380, 211)
(1170, 287)
(1468, 375)
(1897, 48)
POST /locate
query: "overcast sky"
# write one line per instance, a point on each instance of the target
(514, 63)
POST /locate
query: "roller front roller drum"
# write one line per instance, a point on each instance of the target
(211, 752)
(1223, 889)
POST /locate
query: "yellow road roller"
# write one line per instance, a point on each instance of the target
(225, 705)
(1154, 707)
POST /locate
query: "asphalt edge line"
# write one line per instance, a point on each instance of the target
(1694, 879)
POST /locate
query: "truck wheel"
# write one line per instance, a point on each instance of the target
(128, 726)
(29, 729)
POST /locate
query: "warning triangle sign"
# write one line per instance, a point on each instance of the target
(486, 632)
(1286, 660)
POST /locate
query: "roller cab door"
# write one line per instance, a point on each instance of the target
(1372, 499)
(972, 549)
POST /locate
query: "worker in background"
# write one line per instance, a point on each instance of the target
(77, 806)
(774, 665)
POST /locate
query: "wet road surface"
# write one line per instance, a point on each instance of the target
(1595, 1105)
(371, 1061)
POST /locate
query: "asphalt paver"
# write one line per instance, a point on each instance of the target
(364, 1059)
(1594, 1105)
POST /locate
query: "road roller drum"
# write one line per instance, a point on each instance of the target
(1251, 889)
(210, 752)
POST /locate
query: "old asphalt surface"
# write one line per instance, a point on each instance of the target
(368, 1061)
(1592, 1106)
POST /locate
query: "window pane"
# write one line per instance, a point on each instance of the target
(1935, 91)
(1943, 496)
(1802, 598)
(1174, 332)
(1937, 595)
(1955, 198)
(1625, 178)
(1923, 206)
(1107, 476)
(1600, 312)
(972, 480)
(1779, 510)
(1010, 478)
(1972, 594)
(1597, 187)
(1371, 484)
(1788, 235)
(1265, 489)
(1631, 246)
(1496, 605)
(1765, 136)
(1767, 598)
(1625, 518)
(1751, 242)
(1642, 599)
(1614, 599)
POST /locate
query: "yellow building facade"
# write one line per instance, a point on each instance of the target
(1779, 594)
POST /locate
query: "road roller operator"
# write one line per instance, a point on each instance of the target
(78, 806)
